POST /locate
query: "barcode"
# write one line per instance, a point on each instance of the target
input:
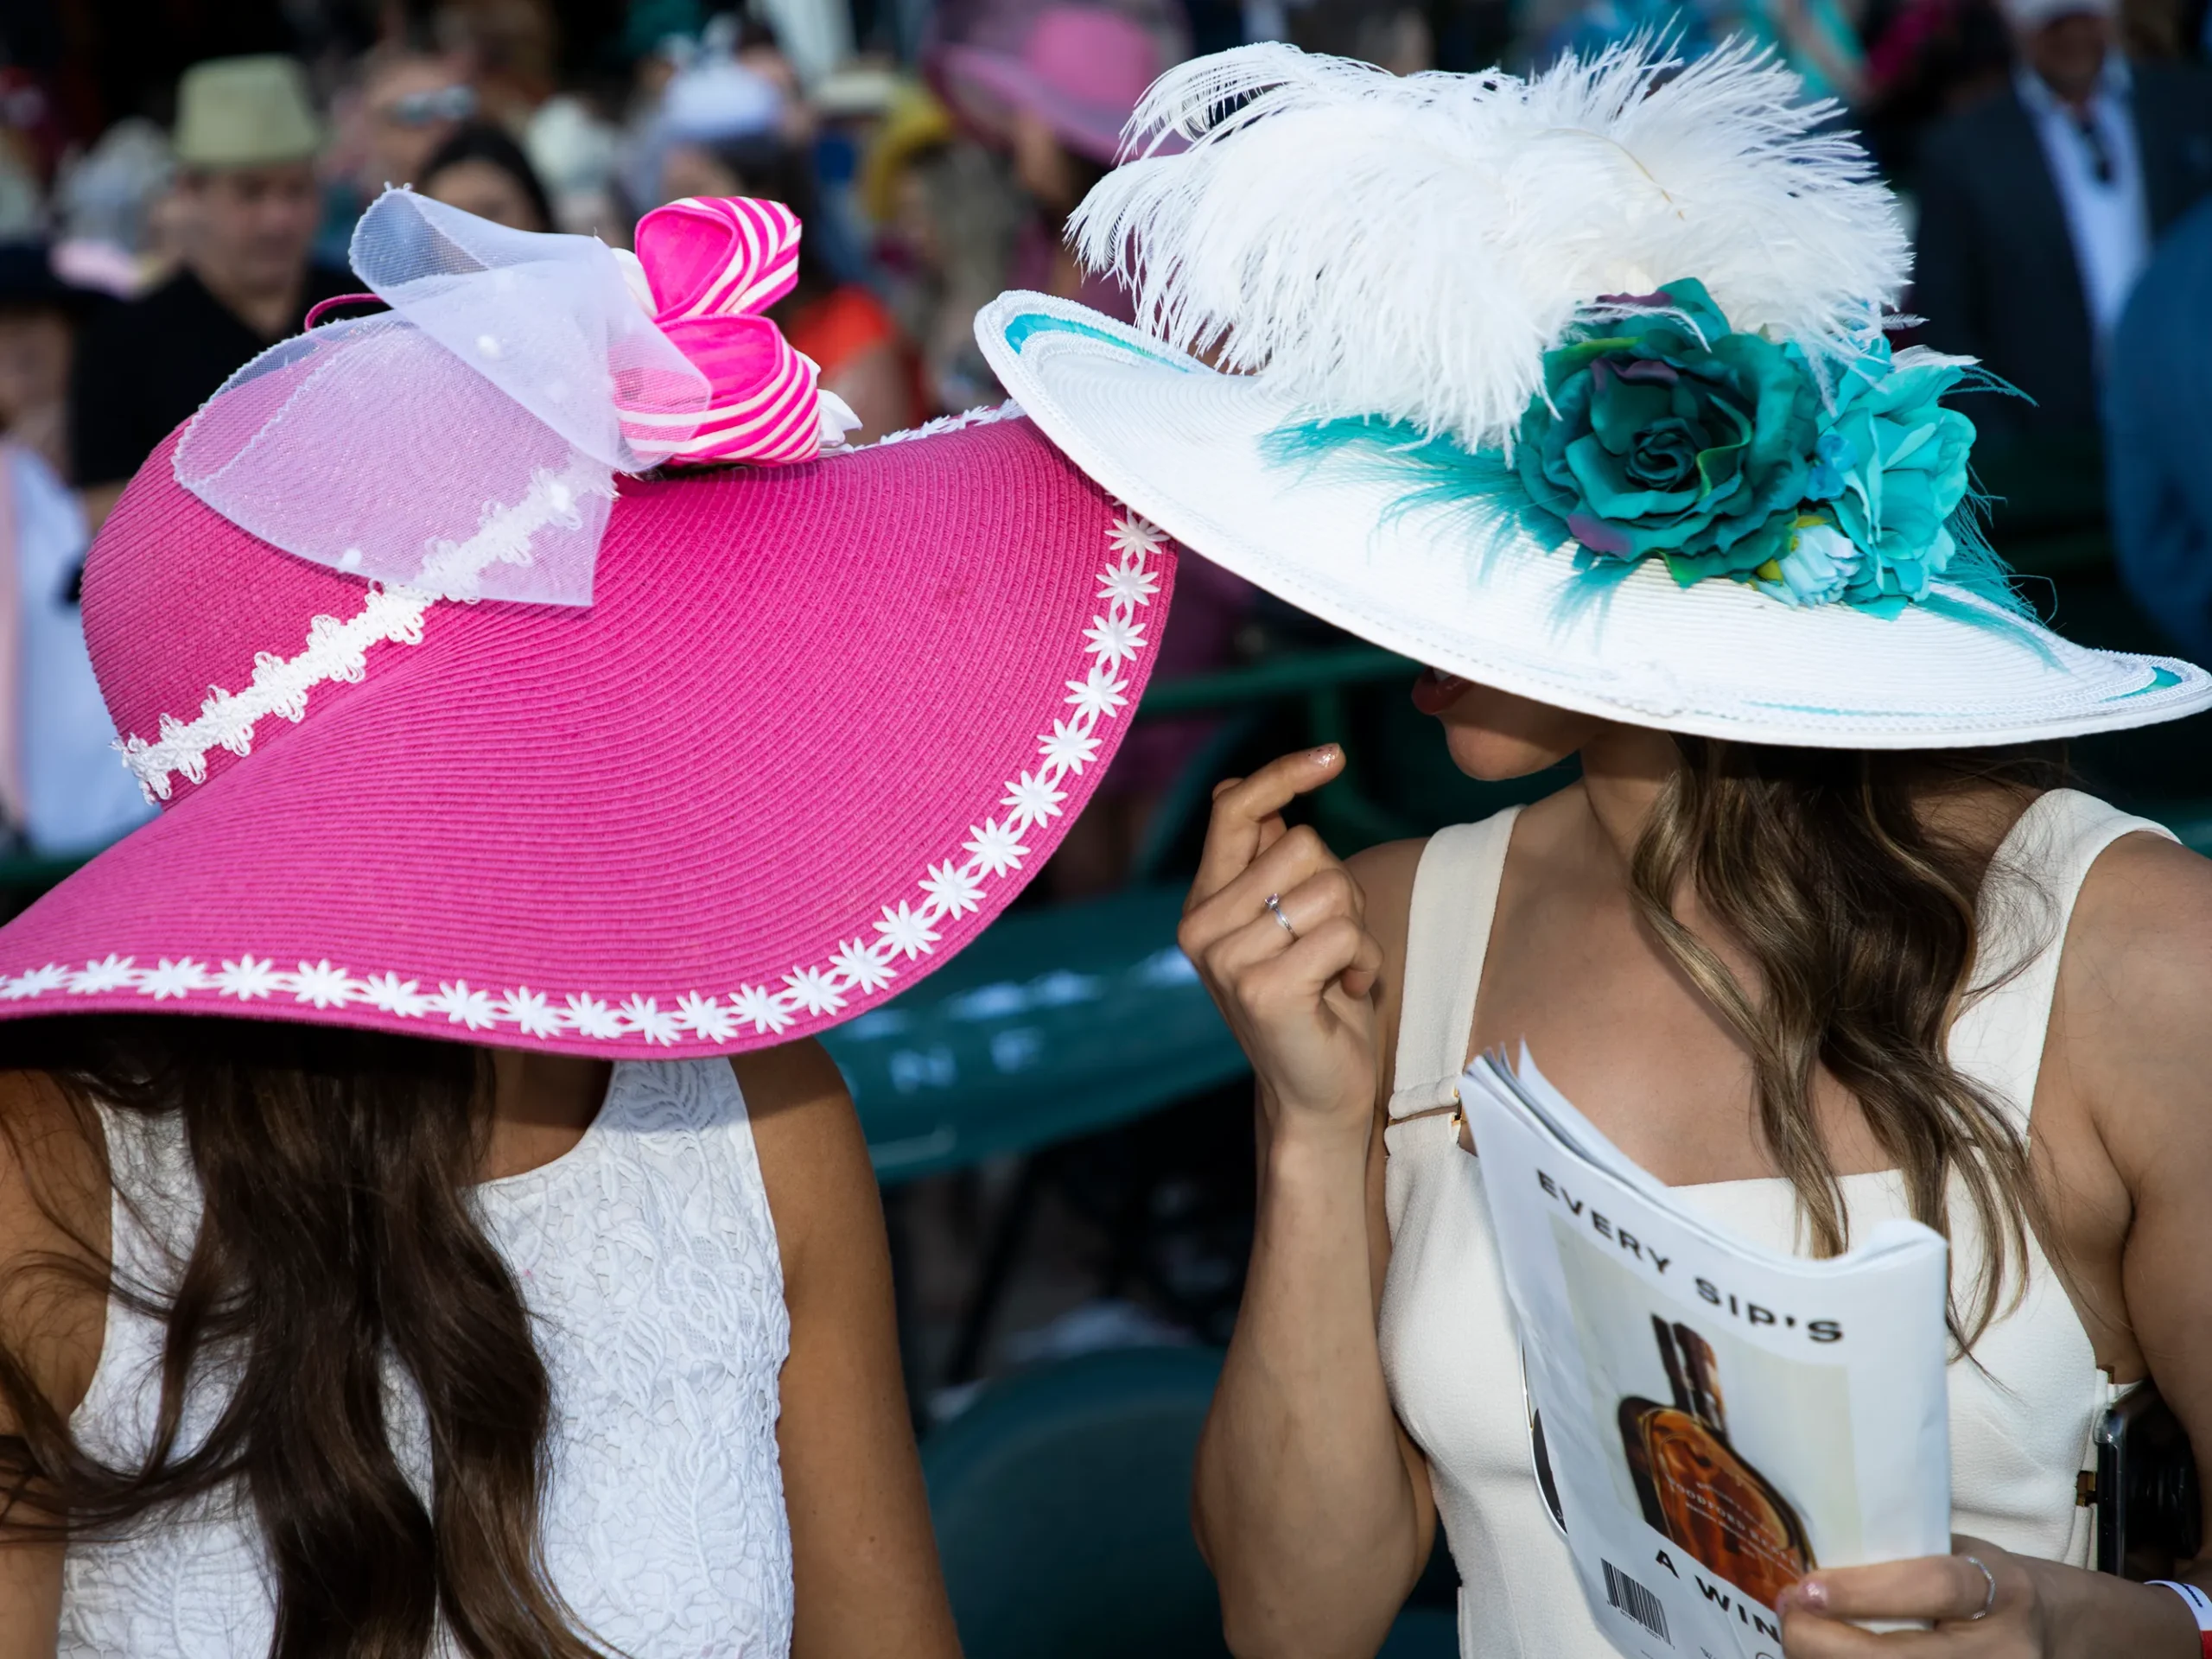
(1638, 1603)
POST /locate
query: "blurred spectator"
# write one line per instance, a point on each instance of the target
(411, 101)
(708, 99)
(1059, 104)
(508, 47)
(120, 230)
(245, 143)
(2038, 208)
(2159, 416)
(1003, 25)
(1394, 37)
(816, 35)
(1927, 60)
(946, 212)
(1814, 38)
(575, 153)
(482, 171)
(649, 25)
(39, 317)
(842, 325)
(61, 790)
(30, 145)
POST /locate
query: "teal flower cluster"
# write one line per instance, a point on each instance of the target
(1891, 471)
(1664, 433)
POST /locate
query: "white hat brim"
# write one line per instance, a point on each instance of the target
(1471, 593)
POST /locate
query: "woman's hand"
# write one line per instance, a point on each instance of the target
(1294, 990)
(1986, 1603)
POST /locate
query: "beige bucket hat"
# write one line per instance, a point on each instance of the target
(249, 112)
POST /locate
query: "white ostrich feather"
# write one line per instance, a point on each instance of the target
(1408, 248)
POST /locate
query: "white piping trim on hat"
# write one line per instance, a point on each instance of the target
(907, 929)
(339, 651)
(336, 651)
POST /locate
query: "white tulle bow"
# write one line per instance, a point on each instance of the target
(465, 443)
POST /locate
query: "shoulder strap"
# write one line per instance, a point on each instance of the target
(1448, 936)
(2026, 905)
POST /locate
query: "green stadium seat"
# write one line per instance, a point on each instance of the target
(1062, 1502)
(1056, 1022)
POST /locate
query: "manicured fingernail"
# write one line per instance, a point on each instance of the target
(1322, 756)
(1810, 1593)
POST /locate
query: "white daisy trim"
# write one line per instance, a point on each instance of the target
(907, 929)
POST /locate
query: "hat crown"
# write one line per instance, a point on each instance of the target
(1092, 55)
(179, 607)
(249, 112)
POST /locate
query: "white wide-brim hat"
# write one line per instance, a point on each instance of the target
(1188, 447)
(1471, 586)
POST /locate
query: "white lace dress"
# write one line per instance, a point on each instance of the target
(648, 1257)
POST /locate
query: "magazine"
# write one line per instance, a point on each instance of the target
(1710, 1420)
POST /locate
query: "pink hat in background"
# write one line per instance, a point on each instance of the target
(1081, 69)
(810, 729)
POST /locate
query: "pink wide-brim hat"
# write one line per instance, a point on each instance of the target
(816, 727)
(1081, 69)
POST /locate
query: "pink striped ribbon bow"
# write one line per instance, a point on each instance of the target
(714, 265)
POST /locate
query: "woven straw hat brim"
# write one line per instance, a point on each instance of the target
(818, 727)
(1469, 593)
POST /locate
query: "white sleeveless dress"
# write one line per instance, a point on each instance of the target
(2021, 1423)
(648, 1257)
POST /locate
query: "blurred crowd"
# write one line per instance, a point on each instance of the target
(174, 197)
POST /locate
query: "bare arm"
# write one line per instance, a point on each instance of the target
(53, 1330)
(1311, 1504)
(864, 1561)
(2130, 1058)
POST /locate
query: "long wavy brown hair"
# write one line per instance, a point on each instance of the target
(335, 1235)
(1863, 922)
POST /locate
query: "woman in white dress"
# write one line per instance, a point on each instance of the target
(1818, 937)
(425, 1227)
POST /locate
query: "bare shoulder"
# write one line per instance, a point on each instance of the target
(2143, 917)
(1385, 874)
(2129, 1011)
(54, 1210)
(54, 1185)
(813, 1156)
(793, 1080)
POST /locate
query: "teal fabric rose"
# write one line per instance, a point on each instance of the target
(1664, 433)
(1889, 471)
(1903, 470)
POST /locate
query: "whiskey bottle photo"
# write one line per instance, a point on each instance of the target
(1695, 1486)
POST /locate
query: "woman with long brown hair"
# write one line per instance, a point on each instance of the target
(1576, 388)
(425, 1225)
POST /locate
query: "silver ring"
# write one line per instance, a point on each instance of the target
(1274, 905)
(1989, 1600)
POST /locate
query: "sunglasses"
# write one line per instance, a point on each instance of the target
(428, 108)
